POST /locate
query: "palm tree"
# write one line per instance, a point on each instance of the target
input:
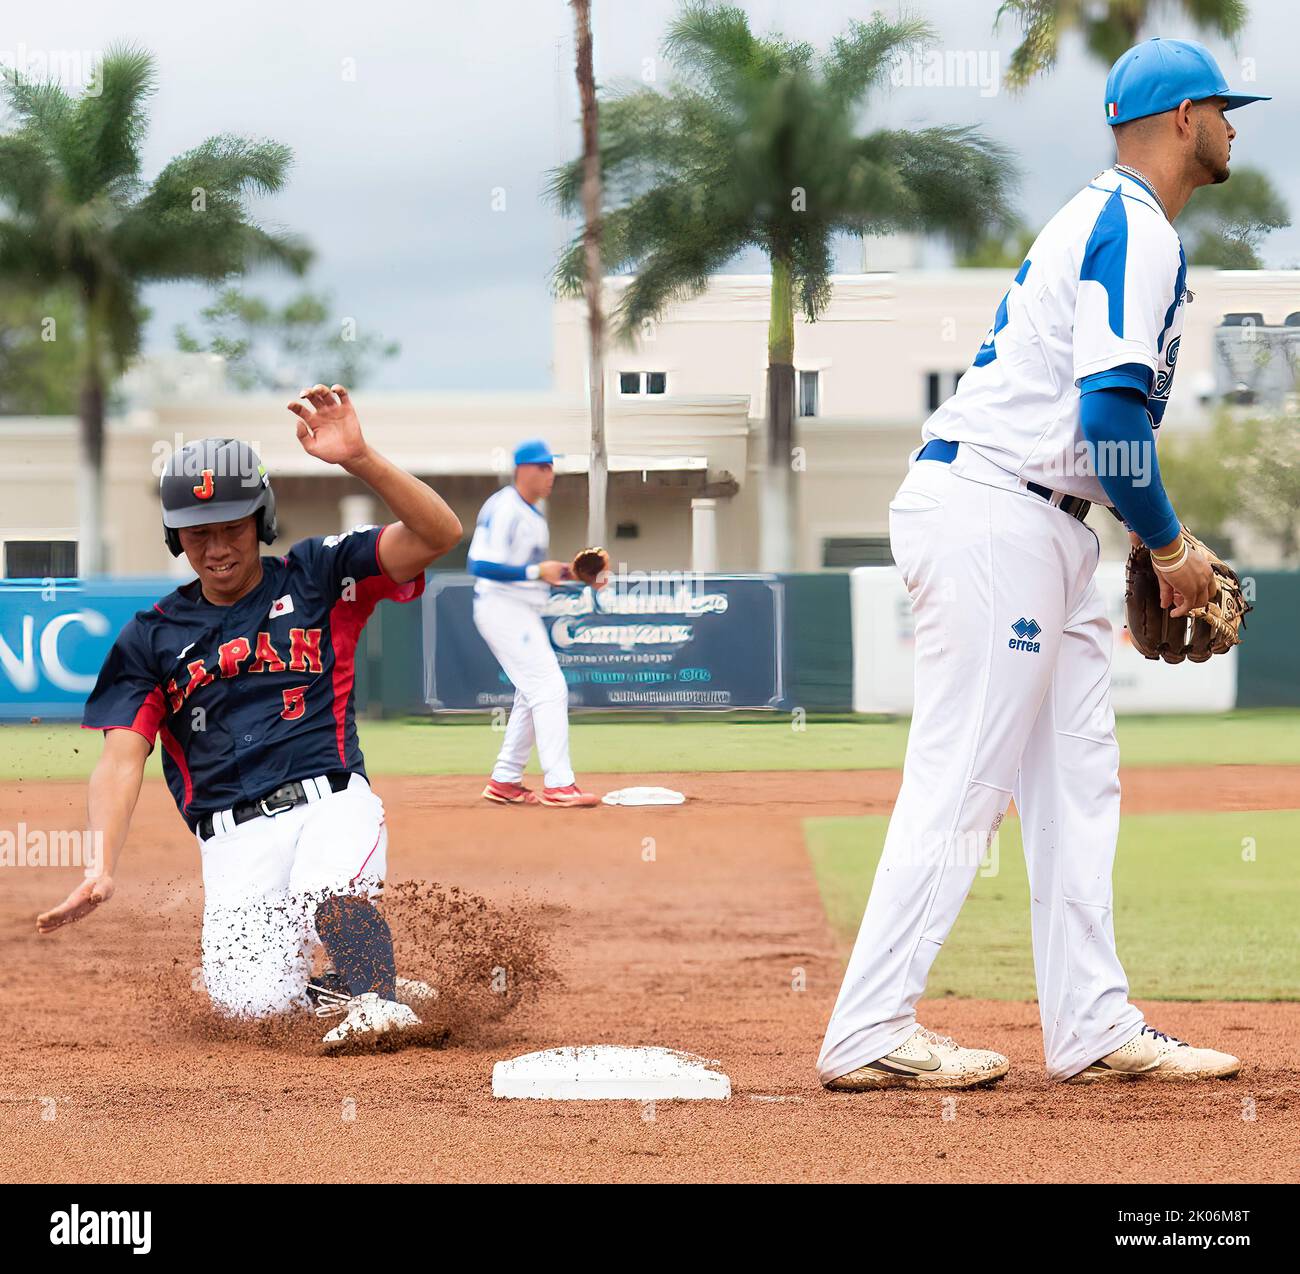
(757, 147)
(1108, 27)
(75, 214)
(598, 464)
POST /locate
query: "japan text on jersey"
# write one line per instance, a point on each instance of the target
(250, 696)
(1104, 286)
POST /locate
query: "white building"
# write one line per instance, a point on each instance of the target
(685, 424)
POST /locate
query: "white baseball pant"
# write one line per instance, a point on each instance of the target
(996, 715)
(261, 884)
(517, 637)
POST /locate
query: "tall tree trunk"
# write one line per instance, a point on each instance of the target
(90, 493)
(598, 463)
(777, 521)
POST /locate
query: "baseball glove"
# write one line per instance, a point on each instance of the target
(1212, 629)
(591, 566)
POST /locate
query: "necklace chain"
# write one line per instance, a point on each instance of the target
(1145, 182)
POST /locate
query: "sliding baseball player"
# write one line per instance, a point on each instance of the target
(1058, 411)
(245, 677)
(514, 578)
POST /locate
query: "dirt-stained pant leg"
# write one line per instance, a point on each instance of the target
(262, 883)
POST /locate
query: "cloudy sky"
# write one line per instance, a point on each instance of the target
(406, 118)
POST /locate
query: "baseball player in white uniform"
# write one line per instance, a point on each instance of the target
(1058, 411)
(514, 578)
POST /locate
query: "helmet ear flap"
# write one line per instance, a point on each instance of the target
(266, 522)
(173, 539)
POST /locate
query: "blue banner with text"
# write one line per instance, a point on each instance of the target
(662, 641)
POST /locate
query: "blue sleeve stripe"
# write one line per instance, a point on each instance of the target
(1180, 284)
(496, 570)
(1105, 256)
(1128, 375)
(1122, 451)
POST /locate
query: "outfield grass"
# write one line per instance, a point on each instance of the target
(1193, 919)
(468, 745)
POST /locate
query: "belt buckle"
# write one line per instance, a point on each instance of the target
(287, 804)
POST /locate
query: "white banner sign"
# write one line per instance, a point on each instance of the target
(882, 654)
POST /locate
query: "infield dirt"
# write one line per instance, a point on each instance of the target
(696, 927)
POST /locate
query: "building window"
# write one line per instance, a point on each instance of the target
(808, 387)
(940, 386)
(627, 531)
(642, 383)
(41, 559)
(857, 550)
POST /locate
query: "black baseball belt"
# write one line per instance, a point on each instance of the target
(1071, 505)
(285, 797)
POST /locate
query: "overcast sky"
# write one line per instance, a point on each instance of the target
(396, 166)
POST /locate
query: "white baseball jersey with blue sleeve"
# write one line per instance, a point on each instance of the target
(1102, 290)
(510, 539)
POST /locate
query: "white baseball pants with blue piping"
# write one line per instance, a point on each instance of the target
(1001, 711)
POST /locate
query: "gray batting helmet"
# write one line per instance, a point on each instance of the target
(215, 480)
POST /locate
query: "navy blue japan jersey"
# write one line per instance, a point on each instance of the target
(250, 696)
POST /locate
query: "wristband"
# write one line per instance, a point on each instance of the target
(533, 572)
(1170, 564)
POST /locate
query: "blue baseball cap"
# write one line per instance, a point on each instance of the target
(1158, 75)
(533, 451)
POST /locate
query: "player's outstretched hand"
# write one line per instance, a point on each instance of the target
(328, 427)
(554, 572)
(80, 902)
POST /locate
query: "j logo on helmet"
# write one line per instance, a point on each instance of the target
(204, 489)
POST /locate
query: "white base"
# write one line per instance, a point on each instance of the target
(644, 796)
(610, 1072)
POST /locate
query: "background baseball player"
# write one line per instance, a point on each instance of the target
(1012, 641)
(508, 555)
(245, 675)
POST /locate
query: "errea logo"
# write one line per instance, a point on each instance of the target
(1025, 631)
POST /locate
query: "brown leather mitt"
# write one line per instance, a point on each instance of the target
(1212, 629)
(591, 566)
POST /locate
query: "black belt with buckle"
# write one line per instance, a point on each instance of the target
(1073, 506)
(285, 797)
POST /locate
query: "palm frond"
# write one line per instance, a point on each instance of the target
(812, 262)
(675, 271)
(25, 174)
(102, 139)
(1040, 39)
(713, 41)
(956, 181)
(44, 106)
(857, 60)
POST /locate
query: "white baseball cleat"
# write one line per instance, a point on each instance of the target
(329, 996)
(370, 1019)
(926, 1060)
(1152, 1054)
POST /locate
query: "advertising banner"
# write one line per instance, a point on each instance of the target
(54, 635)
(656, 641)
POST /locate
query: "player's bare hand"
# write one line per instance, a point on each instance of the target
(1189, 587)
(328, 427)
(80, 902)
(554, 572)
